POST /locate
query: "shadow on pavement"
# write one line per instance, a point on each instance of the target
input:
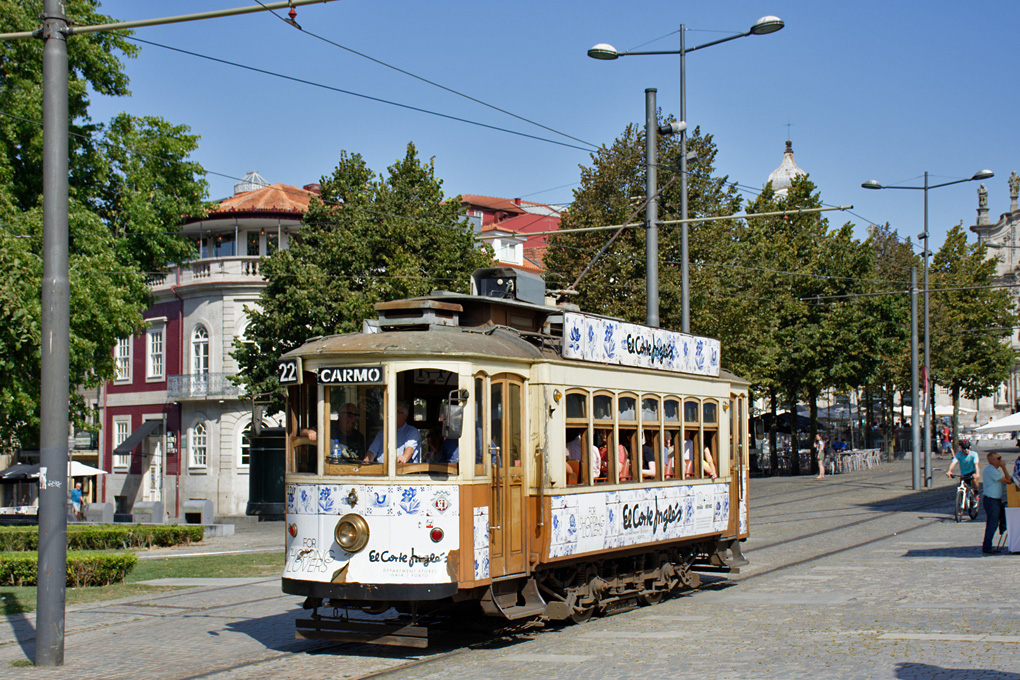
(967, 552)
(923, 671)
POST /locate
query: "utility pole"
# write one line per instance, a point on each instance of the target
(56, 321)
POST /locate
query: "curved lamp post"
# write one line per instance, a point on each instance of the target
(873, 184)
(605, 51)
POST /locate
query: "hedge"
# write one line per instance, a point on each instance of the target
(105, 536)
(83, 568)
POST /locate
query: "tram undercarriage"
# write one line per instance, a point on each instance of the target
(573, 592)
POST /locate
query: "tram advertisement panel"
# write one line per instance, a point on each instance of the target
(608, 341)
(403, 545)
(593, 522)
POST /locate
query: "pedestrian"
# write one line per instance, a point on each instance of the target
(820, 452)
(76, 500)
(994, 499)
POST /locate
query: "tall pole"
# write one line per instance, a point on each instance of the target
(929, 379)
(55, 359)
(651, 211)
(685, 290)
(915, 411)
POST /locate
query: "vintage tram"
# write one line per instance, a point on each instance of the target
(493, 448)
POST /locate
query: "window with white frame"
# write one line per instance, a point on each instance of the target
(198, 446)
(244, 455)
(122, 357)
(121, 431)
(155, 352)
(200, 351)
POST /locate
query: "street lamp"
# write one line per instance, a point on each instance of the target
(873, 184)
(764, 26)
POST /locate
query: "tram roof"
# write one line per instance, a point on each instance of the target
(437, 341)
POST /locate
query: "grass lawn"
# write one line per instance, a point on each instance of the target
(23, 599)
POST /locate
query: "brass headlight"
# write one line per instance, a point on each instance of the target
(351, 532)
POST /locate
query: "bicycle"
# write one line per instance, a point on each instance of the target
(966, 499)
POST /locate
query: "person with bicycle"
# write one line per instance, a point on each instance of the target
(967, 461)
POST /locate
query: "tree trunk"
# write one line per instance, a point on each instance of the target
(813, 431)
(794, 443)
(955, 441)
(773, 447)
(890, 425)
(868, 438)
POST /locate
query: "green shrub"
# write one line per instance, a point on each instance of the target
(83, 568)
(105, 536)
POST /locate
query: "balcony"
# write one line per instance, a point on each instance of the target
(211, 270)
(203, 386)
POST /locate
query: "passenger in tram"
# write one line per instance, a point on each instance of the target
(708, 464)
(574, 450)
(624, 460)
(648, 456)
(351, 442)
(689, 457)
(408, 440)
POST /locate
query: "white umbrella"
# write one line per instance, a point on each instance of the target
(947, 410)
(76, 469)
(1010, 423)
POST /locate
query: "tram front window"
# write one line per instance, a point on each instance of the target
(355, 418)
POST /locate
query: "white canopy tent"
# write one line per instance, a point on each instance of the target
(947, 410)
(1010, 423)
(76, 469)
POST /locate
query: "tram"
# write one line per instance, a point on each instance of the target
(497, 450)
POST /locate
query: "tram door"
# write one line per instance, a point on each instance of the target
(506, 513)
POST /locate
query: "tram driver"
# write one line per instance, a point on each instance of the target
(408, 440)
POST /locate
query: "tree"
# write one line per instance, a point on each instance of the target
(610, 193)
(367, 239)
(971, 321)
(130, 185)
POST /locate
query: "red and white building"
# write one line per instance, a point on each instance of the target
(172, 421)
(510, 226)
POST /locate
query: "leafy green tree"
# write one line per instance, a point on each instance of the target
(971, 321)
(130, 184)
(367, 239)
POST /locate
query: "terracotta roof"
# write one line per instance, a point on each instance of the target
(277, 198)
(491, 202)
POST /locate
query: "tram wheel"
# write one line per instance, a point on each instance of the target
(582, 616)
(651, 597)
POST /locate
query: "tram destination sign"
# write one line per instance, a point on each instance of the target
(609, 341)
(351, 375)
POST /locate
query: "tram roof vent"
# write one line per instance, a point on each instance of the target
(509, 284)
(418, 312)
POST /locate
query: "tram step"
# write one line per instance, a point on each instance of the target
(368, 632)
(503, 599)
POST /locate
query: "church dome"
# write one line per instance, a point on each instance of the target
(782, 177)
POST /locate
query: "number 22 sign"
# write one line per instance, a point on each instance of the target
(289, 371)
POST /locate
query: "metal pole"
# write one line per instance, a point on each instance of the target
(651, 211)
(685, 292)
(929, 383)
(915, 412)
(54, 378)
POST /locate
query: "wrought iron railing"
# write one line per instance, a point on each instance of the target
(201, 386)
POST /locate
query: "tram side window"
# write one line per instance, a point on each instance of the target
(630, 442)
(479, 399)
(303, 406)
(652, 451)
(355, 418)
(583, 463)
(710, 452)
(673, 444)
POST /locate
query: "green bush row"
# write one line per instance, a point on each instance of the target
(104, 536)
(83, 568)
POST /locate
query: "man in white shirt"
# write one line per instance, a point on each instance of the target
(408, 441)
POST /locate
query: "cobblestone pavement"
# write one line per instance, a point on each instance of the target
(854, 576)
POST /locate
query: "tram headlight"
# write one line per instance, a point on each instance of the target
(351, 532)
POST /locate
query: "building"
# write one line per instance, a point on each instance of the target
(782, 177)
(513, 228)
(173, 421)
(1003, 243)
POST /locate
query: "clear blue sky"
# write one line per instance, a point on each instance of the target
(870, 90)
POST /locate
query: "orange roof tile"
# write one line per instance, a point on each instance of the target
(277, 198)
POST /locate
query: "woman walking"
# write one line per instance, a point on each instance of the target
(820, 452)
